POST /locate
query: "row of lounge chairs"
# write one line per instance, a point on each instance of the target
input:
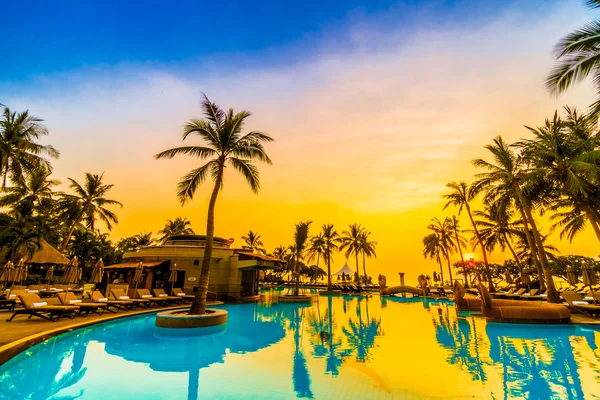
(70, 306)
(350, 288)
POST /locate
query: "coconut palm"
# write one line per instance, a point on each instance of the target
(445, 235)
(177, 226)
(316, 249)
(351, 242)
(298, 249)
(331, 243)
(253, 242)
(432, 249)
(460, 196)
(460, 241)
(88, 203)
(35, 189)
(224, 145)
(498, 228)
(143, 239)
(19, 152)
(367, 250)
(577, 57)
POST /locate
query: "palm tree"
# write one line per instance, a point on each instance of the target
(577, 56)
(497, 228)
(432, 249)
(351, 242)
(253, 242)
(177, 226)
(368, 250)
(298, 250)
(143, 239)
(444, 233)
(36, 189)
(460, 242)
(19, 152)
(461, 195)
(508, 182)
(88, 203)
(225, 146)
(331, 241)
(316, 248)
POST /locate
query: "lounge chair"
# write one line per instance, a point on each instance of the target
(146, 295)
(517, 294)
(85, 308)
(525, 312)
(578, 303)
(180, 293)
(111, 305)
(163, 295)
(120, 294)
(35, 307)
(532, 294)
(503, 294)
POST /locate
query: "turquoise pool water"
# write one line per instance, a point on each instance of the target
(337, 348)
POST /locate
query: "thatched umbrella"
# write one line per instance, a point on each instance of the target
(589, 278)
(137, 277)
(49, 274)
(97, 272)
(508, 278)
(572, 276)
(71, 271)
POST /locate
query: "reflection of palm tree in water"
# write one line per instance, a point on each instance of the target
(361, 336)
(324, 341)
(300, 375)
(43, 381)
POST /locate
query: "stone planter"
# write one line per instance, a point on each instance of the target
(180, 323)
(290, 298)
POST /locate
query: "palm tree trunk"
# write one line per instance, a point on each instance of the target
(365, 267)
(532, 247)
(296, 275)
(328, 268)
(514, 254)
(553, 296)
(65, 242)
(449, 267)
(441, 270)
(593, 221)
(357, 274)
(199, 304)
(488, 273)
(462, 259)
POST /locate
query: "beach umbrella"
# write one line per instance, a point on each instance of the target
(97, 272)
(572, 276)
(508, 278)
(70, 275)
(137, 277)
(589, 278)
(173, 276)
(49, 274)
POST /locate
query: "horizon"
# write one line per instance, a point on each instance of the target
(373, 107)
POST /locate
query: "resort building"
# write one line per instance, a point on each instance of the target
(234, 272)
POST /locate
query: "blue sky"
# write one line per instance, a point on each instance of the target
(57, 36)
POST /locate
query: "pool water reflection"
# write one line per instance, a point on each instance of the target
(339, 347)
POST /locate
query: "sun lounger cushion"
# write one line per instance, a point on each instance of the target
(74, 301)
(588, 298)
(580, 303)
(31, 291)
(146, 296)
(102, 299)
(123, 297)
(40, 304)
(162, 295)
(180, 294)
(12, 296)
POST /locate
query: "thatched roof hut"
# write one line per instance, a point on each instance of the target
(47, 254)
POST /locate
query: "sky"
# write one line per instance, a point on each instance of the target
(374, 105)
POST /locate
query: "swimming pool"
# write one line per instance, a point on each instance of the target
(339, 347)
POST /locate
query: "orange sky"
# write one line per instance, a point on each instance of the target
(364, 136)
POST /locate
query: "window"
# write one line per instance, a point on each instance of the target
(196, 262)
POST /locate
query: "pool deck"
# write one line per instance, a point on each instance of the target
(22, 333)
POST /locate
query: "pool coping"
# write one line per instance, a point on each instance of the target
(12, 349)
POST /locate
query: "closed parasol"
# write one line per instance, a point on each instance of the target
(508, 278)
(6, 272)
(137, 277)
(71, 272)
(526, 280)
(572, 276)
(589, 278)
(20, 272)
(97, 272)
(173, 276)
(49, 274)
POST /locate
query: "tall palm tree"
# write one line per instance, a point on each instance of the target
(316, 248)
(281, 252)
(88, 202)
(331, 241)
(351, 242)
(497, 228)
(253, 242)
(577, 56)
(224, 145)
(444, 233)
(460, 241)
(507, 181)
(144, 239)
(177, 226)
(298, 250)
(19, 152)
(368, 250)
(460, 196)
(432, 249)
